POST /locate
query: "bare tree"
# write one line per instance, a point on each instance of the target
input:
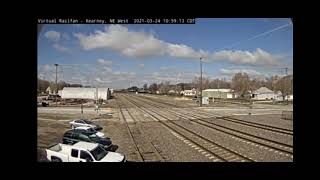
(285, 85)
(205, 83)
(240, 83)
(271, 82)
(145, 87)
(164, 87)
(42, 85)
(196, 82)
(153, 88)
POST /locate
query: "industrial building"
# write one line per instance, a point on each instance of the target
(218, 93)
(85, 93)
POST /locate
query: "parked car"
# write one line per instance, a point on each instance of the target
(85, 123)
(74, 136)
(89, 131)
(82, 152)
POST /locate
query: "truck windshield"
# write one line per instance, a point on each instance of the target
(98, 153)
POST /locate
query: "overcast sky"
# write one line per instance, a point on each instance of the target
(117, 56)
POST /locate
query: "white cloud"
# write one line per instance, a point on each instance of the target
(183, 51)
(120, 39)
(104, 62)
(124, 73)
(168, 69)
(53, 35)
(107, 69)
(172, 74)
(251, 72)
(141, 65)
(47, 68)
(60, 48)
(135, 44)
(102, 81)
(259, 57)
(155, 74)
(231, 72)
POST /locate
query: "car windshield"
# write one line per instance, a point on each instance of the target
(88, 122)
(91, 130)
(98, 153)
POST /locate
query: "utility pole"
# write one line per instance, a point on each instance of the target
(56, 89)
(286, 70)
(219, 87)
(200, 82)
(97, 102)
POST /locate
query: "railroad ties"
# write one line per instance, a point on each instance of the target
(144, 149)
(250, 139)
(210, 149)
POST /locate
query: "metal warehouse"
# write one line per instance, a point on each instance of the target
(85, 93)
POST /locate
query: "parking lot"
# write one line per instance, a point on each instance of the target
(154, 128)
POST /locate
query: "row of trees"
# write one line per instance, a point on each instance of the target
(165, 87)
(43, 85)
(241, 83)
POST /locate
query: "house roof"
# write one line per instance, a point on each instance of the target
(263, 90)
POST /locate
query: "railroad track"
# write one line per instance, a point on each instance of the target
(145, 150)
(213, 150)
(271, 145)
(272, 129)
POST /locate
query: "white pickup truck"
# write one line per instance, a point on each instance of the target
(82, 152)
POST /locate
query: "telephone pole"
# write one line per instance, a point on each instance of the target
(200, 82)
(56, 89)
(286, 71)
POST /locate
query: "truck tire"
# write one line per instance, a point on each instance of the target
(55, 159)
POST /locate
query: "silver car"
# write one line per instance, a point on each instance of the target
(84, 123)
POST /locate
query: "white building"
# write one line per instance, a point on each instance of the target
(264, 93)
(289, 97)
(49, 90)
(85, 93)
(59, 92)
(218, 93)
